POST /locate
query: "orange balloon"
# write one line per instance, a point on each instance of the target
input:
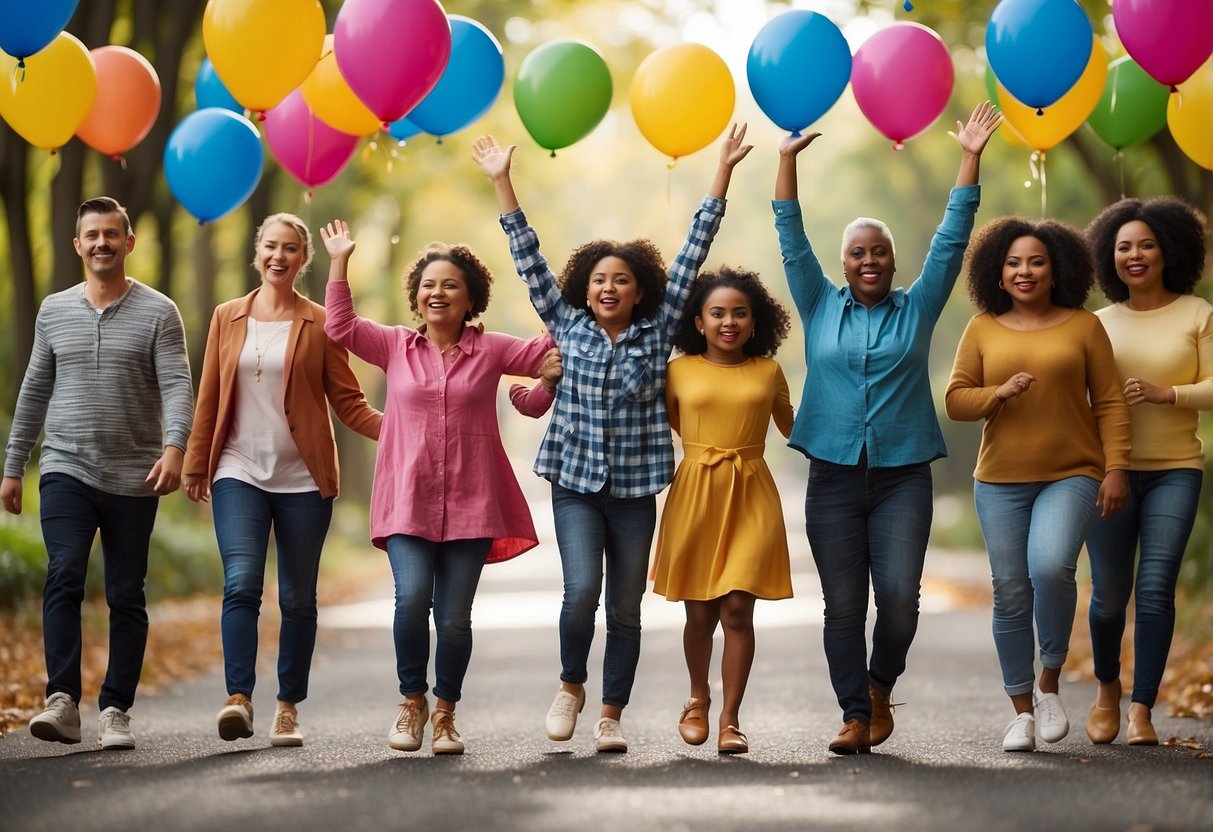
(1062, 117)
(127, 102)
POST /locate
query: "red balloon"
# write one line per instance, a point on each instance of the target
(902, 78)
(127, 102)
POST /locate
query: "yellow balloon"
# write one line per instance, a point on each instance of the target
(1190, 116)
(331, 99)
(50, 100)
(682, 98)
(1062, 117)
(263, 49)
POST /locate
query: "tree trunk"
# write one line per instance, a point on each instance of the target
(14, 167)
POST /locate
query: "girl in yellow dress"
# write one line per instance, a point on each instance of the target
(722, 542)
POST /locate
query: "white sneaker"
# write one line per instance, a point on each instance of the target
(608, 736)
(445, 739)
(236, 718)
(405, 733)
(286, 730)
(114, 729)
(1051, 719)
(59, 722)
(1020, 734)
(562, 716)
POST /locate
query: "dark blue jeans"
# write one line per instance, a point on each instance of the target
(243, 516)
(1160, 513)
(443, 575)
(868, 523)
(593, 530)
(72, 514)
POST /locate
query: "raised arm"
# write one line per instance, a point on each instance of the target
(972, 138)
(496, 161)
(732, 151)
(785, 178)
(366, 339)
(806, 280)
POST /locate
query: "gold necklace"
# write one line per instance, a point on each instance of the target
(259, 348)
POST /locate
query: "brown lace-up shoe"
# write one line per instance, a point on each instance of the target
(854, 738)
(882, 715)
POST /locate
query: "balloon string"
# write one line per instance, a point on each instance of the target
(1038, 173)
(311, 146)
(1119, 158)
(1044, 188)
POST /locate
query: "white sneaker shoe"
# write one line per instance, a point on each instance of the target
(445, 739)
(562, 716)
(286, 730)
(608, 736)
(406, 732)
(114, 729)
(1020, 734)
(1051, 719)
(235, 718)
(59, 722)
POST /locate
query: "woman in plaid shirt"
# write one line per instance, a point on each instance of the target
(607, 451)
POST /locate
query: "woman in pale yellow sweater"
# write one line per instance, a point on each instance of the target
(1039, 369)
(1149, 257)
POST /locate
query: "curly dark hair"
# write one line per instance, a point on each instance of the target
(1179, 229)
(642, 258)
(771, 320)
(479, 278)
(1073, 273)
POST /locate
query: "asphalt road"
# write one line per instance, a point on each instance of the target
(942, 769)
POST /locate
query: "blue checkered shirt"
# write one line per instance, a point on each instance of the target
(610, 421)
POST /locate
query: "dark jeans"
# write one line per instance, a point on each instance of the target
(243, 515)
(1160, 513)
(72, 513)
(593, 530)
(443, 575)
(868, 523)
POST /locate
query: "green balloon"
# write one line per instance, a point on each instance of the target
(562, 91)
(1133, 106)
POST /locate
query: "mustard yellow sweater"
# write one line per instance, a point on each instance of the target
(1073, 421)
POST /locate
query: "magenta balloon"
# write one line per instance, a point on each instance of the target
(309, 149)
(1169, 39)
(391, 52)
(902, 78)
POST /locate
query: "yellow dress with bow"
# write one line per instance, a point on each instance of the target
(722, 527)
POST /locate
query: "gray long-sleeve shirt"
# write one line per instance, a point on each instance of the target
(109, 389)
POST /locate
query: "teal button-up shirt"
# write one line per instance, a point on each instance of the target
(867, 384)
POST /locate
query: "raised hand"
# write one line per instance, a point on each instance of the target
(493, 159)
(732, 150)
(337, 240)
(792, 145)
(972, 137)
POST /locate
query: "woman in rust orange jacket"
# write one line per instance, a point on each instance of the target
(262, 450)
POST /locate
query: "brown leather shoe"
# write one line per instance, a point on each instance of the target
(854, 738)
(1141, 732)
(882, 715)
(732, 741)
(1103, 724)
(693, 724)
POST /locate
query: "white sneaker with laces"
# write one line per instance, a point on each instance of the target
(59, 721)
(608, 736)
(561, 720)
(1051, 719)
(114, 729)
(286, 730)
(1020, 734)
(445, 739)
(405, 733)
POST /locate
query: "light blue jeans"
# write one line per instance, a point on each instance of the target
(1034, 532)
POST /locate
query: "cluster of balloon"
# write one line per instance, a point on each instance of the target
(682, 98)
(562, 92)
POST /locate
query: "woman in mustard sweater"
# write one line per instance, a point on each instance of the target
(1149, 257)
(1039, 369)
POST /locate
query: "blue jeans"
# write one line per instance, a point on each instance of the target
(868, 523)
(1160, 513)
(1034, 532)
(243, 515)
(593, 529)
(72, 513)
(443, 575)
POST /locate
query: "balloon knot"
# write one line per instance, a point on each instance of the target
(307, 195)
(21, 65)
(1174, 88)
(898, 146)
(673, 163)
(908, 6)
(553, 154)
(1039, 111)
(54, 151)
(261, 115)
(795, 134)
(385, 126)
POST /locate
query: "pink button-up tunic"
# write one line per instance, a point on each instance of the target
(441, 472)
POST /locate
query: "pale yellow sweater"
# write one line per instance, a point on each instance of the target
(1073, 421)
(1168, 347)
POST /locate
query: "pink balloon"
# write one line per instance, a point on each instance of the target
(902, 78)
(391, 52)
(309, 149)
(1169, 39)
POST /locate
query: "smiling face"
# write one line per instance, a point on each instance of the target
(868, 264)
(443, 299)
(727, 322)
(1027, 273)
(103, 242)
(612, 293)
(280, 254)
(1138, 256)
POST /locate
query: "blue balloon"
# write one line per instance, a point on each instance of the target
(210, 92)
(213, 161)
(469, 84)
(26, 28)
(402, 129)
(1038, 49)
(798, 66)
